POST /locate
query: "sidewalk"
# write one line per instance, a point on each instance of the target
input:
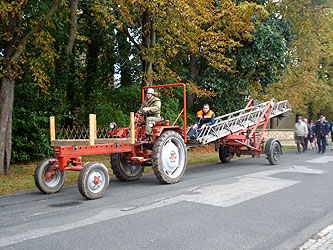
(292, 143)
(321, 241)
(288, 143)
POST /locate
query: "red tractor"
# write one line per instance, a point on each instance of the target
(166, 152)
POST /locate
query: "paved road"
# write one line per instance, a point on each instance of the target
(246, 204)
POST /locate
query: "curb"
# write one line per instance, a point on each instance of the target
(321, 241)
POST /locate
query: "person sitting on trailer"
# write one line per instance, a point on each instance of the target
(151, 107)
(205, 117)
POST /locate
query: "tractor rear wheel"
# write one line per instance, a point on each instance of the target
(169, 157)
(48, 179)
(225, 155)
(123, 170)
(93, 180)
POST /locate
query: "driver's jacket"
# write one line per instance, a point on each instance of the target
(154, 104)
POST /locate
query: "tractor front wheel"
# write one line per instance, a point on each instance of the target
(123, 170)
(48, 178)
(93, 180)
(169, 157)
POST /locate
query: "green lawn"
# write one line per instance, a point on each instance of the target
(21, 176)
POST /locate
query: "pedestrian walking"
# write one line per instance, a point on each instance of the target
(322, 131)
(314, 139)
(309, 137)
(331, 130)
(300, 132)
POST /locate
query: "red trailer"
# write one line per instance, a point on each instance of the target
(166, 152)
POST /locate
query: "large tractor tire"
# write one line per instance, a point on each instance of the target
(93, 180)
(123, 170)
(48, 180)
(225, 155)
(273, 151)
(169, 157)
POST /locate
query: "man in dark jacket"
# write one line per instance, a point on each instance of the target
(313, 141)
(331, 129)
(322, 131)
(205, 117)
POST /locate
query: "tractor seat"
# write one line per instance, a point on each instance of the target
(159, 122)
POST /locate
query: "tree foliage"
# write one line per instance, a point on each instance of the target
(161, 30)
(21, 25)
(308, 81)
(94, 56)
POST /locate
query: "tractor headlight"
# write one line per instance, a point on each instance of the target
(151, 124)
(113, 125)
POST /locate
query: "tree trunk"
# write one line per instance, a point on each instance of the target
(148, 40)
(13, 49)
(72, 26)
(310, 111)
(6, 111)
(193, 67)
(69, 64)
(124, 48)
(194, 72)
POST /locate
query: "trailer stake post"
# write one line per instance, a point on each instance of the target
(132, 128)
(92, 129)
(52, 128)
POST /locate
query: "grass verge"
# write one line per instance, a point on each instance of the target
(21, 176)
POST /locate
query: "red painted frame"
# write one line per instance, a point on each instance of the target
(67, 155)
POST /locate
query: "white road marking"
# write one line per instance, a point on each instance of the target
(247, 187)
(242, 189)
(231, 194)
(322, 159)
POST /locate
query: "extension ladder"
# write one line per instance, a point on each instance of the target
(245, 118)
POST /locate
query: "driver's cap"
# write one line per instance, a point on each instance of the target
(150, 91)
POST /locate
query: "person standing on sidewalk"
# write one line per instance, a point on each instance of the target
(331, 129)
(322, 131)
(309, 137)
(314, 140)
(300, 132)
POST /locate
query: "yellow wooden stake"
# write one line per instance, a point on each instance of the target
(132, 134)
(52, 128)
(92, 129)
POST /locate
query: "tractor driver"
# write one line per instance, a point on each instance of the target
(151, 107)
(205, 117)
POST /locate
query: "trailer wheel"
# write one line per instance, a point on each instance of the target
(169, 157)
(93, 180)
(225, 155)
(123, 170)
(47, 179)
(274, 155)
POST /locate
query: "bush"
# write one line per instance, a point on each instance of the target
(30, 135)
